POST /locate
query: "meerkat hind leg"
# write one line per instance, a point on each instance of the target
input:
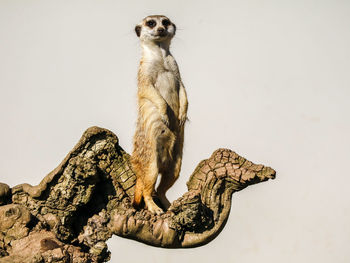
(168, 178)
(149, 182)
(166, 182)
(151, 205)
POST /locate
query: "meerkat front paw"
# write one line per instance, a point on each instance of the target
(182, 119)
(165, 119)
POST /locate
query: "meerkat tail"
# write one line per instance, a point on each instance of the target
(138, 193)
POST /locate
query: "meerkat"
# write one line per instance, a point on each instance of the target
(162, 113)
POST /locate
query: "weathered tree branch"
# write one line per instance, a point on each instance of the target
(87, 198)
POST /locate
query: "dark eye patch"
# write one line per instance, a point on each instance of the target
(151, 23)
(166, 22)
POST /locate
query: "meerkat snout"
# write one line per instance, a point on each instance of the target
(161, 30)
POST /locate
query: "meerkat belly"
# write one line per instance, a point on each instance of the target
(168, 87)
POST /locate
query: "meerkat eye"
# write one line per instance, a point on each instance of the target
(151, 23)
(166, 22)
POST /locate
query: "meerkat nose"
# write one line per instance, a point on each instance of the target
(160, 29)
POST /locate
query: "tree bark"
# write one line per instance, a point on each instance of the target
(77, 207)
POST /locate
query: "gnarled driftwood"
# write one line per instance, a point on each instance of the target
(87, 198)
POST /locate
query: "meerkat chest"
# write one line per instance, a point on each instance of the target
(162, 70)
(168, 86)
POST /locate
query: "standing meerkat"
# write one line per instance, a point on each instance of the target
(162, 113)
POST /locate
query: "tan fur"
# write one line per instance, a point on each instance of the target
(162, 112)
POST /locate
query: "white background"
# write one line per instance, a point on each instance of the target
(267, 79)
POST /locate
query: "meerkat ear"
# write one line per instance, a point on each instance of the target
(174, 28)
(138, 30)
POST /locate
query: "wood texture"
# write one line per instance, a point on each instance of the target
(76, 208)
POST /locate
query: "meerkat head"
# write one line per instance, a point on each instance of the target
(155, 28)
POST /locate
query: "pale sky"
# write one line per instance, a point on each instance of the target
(267, 79)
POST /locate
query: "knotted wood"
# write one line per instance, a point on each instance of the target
(77, 207)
